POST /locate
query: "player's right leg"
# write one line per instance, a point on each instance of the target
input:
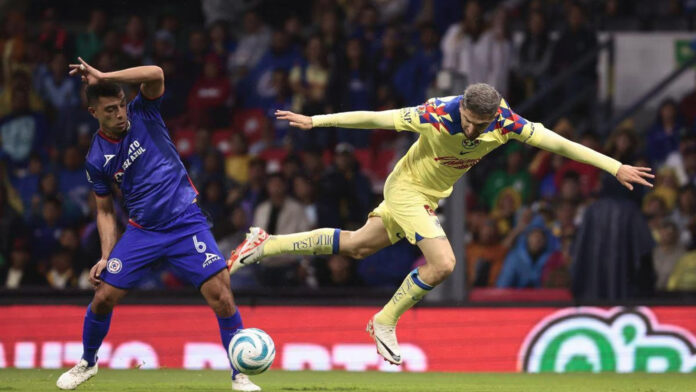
(95, 328)
(357, 244)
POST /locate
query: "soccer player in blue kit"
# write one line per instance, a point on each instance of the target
(132, 148)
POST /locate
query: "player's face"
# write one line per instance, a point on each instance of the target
(473, 124)
(111, 113)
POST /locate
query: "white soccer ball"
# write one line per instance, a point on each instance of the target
(251, 351)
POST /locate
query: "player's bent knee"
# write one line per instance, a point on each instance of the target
(103, 301)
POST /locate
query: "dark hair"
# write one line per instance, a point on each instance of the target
(102, 89)
(481, 99)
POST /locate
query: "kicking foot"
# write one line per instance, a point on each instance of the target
(249, 251)
(77, 375)
(385, 339)
(242, 383)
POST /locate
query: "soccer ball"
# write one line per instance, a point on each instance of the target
(251, 351)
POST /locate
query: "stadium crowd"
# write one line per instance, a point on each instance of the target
(228, 71)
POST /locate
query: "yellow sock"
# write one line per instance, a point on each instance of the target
(411, 291)
(315, 242)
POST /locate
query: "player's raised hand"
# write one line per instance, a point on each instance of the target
(89, 74)
(296, 120)
(629, 175)
(96, 271)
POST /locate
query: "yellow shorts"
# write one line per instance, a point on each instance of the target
(407, 213)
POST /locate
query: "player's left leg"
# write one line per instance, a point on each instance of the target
(196, 256)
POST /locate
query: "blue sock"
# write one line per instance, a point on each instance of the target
(228, 327)
(94, 330)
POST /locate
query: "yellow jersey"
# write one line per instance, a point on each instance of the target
(443, 153)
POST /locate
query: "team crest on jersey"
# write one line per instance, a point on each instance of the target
(118, 176)
(468, 144)
(114, 265)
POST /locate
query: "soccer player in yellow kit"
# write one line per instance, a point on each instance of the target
(455, 133)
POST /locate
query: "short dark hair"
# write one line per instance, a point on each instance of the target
(481, 99)
(102, 89)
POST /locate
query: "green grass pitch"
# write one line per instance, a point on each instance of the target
(280, 381)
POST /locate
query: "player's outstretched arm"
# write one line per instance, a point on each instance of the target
(108, 235)
(356, 120)
(150, 77)
(627, 175)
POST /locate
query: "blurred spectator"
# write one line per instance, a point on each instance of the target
(133, 41)
(655, 211)
(209, 97)
(260, 85)
(61, 274)
(534, 55)
(212, 168)
(22, 130)
(73, 185)
(352, 84)
(485, 255)
(309, 79)
(575, 42)
(304, 191)
(251, 45)
(236, 229)
(255, 190)
(418, 73)
(687, 107)
(524, 264)
(163, 49)
(337, 271)
(666, 254)
(70, 241)
(220, 43)
(46, 230)
(62, 94)
(52, 36)
(501, 52)
(675, 160)
(623, 143)
(505, 206)
(26, 182)
(111, 57)
(212, 201)
(281, 100)
(465, 47)
(666, 186)
(514, 176)
(389, 57)
(11, 225)
(683, 277)
(237, 162)
(280, 214)
(19, 271)
(614, 18)
(331, 36)
(17, 82)
(202, 145)
(556, 272)
(663, 136)
(619, 272)
(195, 57)
(367, 27)
(292, 26)
(346, 194)
(685, 215)
(89, 42)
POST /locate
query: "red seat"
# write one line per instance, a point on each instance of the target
(382, 165)
(184, 140)
(221, 140)
(251, 122)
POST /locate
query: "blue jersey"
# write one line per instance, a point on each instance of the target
(145, 165)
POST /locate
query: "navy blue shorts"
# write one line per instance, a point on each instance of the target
(186, 244)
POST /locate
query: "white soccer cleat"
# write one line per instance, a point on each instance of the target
(385, 339)
(242, 383)
(77, 375)
(249, 251)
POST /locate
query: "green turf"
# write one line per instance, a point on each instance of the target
(182, 380)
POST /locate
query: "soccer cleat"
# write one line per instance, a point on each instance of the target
(249, 251)
(242, 383)
(385, 339)
(77, 375)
